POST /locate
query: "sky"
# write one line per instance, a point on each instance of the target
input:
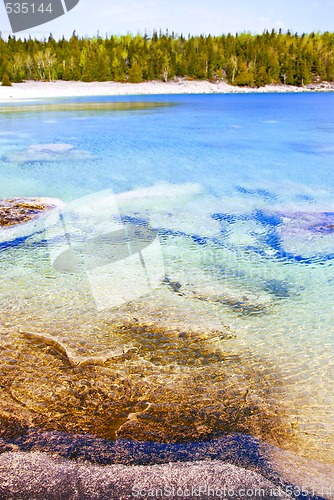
(196, 17)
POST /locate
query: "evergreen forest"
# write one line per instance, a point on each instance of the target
(242, 59)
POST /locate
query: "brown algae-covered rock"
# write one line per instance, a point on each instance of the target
(172, 386)
(17, 210)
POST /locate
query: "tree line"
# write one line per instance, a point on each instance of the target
(241, 59)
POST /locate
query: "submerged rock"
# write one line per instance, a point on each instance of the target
(245, 303)
(172, 386)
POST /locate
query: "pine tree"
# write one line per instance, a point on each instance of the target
(245, 76)
(261, 78)
(135, 73)
(6, 81)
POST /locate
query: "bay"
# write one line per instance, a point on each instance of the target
(239, 335)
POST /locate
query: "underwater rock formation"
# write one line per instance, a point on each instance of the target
(173, 386)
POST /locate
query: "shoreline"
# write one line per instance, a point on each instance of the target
(112, 469)
(31, 90)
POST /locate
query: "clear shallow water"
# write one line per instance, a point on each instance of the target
(240, 337)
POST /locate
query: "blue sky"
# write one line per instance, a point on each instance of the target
(186, 16)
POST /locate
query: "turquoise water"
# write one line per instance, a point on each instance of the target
(240, 188)
(266, 148)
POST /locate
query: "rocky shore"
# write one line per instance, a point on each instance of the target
(35, 90)
(17, 210)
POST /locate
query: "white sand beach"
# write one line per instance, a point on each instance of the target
(35, 90)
